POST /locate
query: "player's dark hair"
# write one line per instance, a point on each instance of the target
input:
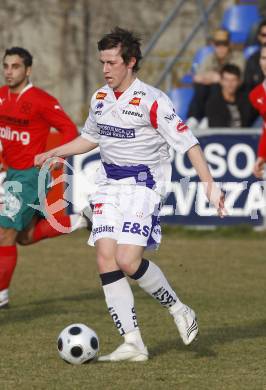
(129, 42)
(232, 69)
(261, 24)
(23, 53)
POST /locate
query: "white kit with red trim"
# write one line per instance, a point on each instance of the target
(135, 133)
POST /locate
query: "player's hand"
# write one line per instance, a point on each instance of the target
(217, 198)
(57, 165)
(40, 159)
(259, 167)
(221, 208)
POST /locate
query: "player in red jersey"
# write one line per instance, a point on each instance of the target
(26, 115)
(258, 99)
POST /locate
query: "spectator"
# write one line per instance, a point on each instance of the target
(253, 74)
(262, 8)
(208, 75)
(230, 107)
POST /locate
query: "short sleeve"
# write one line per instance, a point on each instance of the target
(170, 126)
(90, 129)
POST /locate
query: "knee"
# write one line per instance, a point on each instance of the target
(127, 264)
(105, 263)
(7, 237)
(23, 239)
(105, 260)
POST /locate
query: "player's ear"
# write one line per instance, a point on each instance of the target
(132, 63)
(28, 71)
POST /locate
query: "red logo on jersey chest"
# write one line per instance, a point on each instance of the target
(181, 127)
(135, 101)
(97, 208)
(101, 95)
(26, 107)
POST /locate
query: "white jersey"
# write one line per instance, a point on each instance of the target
(134, 133)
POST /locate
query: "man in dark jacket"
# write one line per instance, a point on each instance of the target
(229, 106)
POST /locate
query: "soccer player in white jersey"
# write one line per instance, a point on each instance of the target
(134, 125)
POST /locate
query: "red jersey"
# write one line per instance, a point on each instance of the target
(257, 98)
(25, 122)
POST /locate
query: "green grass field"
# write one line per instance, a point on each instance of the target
(222, 276)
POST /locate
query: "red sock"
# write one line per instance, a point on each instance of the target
(8, 261)
(43, 229)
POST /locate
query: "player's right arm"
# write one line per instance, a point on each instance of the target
(87, 141)
(79, 145)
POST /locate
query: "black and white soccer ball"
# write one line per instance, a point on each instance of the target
(78, 344)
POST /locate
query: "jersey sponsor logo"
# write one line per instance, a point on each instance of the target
(98, 209)
(135, 101)
(133, 113)
(136, 228)
(115, 132)
(14, 121)
(101, 95)
(98, 107)
(181, 127)
(170, 117)
(139, 93)
(14, 135)
(2, 101)
(102, 229)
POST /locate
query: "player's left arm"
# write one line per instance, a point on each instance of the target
(57, 118)
(178, 135)
(214, 194)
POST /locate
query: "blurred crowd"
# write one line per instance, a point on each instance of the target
(223, 82)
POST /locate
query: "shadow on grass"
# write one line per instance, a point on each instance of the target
(46, 307)
(203, 346)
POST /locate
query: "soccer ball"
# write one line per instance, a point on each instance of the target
(77, 344)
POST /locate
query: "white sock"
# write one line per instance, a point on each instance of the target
(120, 301)
(77, 222)
(153, 281)
(135, 338)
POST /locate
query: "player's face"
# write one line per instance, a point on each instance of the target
(15, 72)
(230, 83)
(117, 74)
(263, 60)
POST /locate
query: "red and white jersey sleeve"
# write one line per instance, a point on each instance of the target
(135, 133)
(257, 98)
(170, 126)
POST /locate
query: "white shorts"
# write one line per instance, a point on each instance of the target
(128, 214)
